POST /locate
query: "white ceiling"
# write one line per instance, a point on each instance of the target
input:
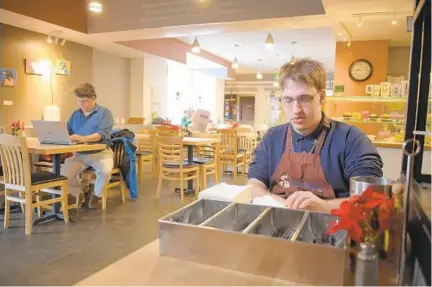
(318, 43)
(314, 39)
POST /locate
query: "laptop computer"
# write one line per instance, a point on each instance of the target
(52, 132)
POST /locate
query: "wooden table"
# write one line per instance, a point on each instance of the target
(34, 146)
(146, 267)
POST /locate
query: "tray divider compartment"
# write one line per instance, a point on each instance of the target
(257, 220)
(219, 213)
(300, 226)
(181, 209)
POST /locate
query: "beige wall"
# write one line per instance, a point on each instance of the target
(109, 74)
(398, 63)
(111, 79)
(32, 92)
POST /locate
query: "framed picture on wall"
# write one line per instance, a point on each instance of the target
(32, 67)
(62, 67)
(8, 77)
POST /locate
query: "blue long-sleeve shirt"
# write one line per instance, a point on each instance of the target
(100, 121)
(346, 152)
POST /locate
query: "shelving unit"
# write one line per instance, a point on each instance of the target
(230, 107)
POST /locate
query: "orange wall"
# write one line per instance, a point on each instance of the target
(375, 52)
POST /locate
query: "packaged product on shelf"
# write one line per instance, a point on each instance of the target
(396, 90)
(376, 90)
(369, 89)
(405, 86)
(385, 89)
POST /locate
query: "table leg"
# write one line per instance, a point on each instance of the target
(190, 187)
(190, 160)
(55, 211)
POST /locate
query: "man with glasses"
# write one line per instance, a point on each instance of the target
(308, 162)
(91, 123)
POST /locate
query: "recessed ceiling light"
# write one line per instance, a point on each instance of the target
(95, 6)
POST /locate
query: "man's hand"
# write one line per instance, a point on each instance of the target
(77, 138)
(306, 200)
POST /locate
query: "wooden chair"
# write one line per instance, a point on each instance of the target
(172, 165)
(208, 159)
(146, 153)
(19, 179)
(229, 151)
(136, 121)
(118, 151)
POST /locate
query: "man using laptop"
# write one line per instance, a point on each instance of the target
(91, 123)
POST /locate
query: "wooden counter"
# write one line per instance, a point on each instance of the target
(396, 145)
(146, 267)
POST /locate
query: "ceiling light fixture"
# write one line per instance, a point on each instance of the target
(293, 57)
(49, 39)
(235, 64)
(63, 42)
(95, 6)
(269, 42)
(394, 21)
(276, 84)
(259, 75)
(360, 23)
(196, 46)
(56, 40)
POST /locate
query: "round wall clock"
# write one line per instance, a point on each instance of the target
(360, 70)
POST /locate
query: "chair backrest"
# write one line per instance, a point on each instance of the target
(210, 151)
(229, 143)
(166, 131)
(136, 121)
(147, 143)
(15, 160)
(170, 150)
(118, 151)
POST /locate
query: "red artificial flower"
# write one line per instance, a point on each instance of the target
(351, 226)
(350, 217)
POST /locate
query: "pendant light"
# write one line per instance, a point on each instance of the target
(394, 21)
(293, 57)
(269, 42)
(196, 46)
(235, 64)
(360, 22)
(95, 6)
(259, 75)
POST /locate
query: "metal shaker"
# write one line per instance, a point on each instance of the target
(366, 272)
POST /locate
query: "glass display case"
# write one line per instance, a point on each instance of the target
(381, 118)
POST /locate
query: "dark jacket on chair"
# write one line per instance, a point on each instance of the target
(127, 162)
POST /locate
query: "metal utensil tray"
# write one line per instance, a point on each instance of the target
(275, 242)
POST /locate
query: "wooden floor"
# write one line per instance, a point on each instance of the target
(59, 254)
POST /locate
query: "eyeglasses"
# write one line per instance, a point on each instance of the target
(303, 100)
